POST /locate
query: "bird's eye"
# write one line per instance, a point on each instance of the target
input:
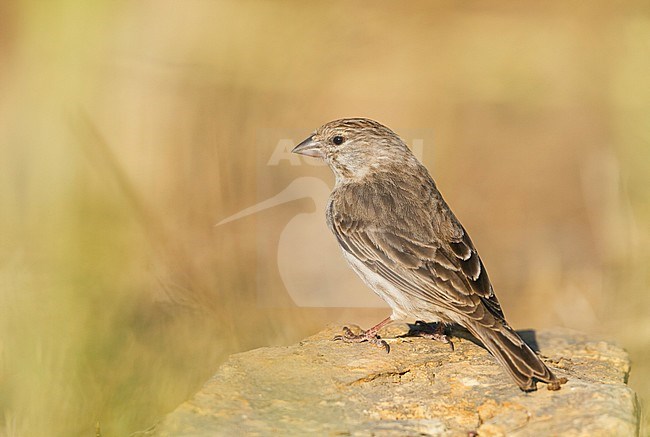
(338, 140)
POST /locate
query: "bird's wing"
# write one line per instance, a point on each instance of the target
(444, 270)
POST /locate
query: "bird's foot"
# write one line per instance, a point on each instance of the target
(436, 332)
(370, 336)
(556, 384)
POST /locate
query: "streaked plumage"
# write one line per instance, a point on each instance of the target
(400, 236)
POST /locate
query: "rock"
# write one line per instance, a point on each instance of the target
(322, 387)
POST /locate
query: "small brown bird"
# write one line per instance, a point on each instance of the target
(402, 239)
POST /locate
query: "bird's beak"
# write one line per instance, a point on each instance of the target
(309, 147)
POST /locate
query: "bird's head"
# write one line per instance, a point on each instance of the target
(352, 147)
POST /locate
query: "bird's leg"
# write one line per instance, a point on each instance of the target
(436, 332)
(370, 335)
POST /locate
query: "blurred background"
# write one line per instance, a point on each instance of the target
(129, 129)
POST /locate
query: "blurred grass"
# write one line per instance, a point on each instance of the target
(127, 129)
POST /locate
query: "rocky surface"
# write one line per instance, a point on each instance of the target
(322, 387)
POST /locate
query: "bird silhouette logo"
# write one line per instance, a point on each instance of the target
(309, 261)
(306, 251)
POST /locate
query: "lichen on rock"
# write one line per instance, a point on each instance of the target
(322, 387)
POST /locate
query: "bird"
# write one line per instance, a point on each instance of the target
(401, 237)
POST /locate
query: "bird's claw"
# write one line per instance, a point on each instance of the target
(442, 338)
(371, 337)
(436, 333)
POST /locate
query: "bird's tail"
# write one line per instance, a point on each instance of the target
(519, 360)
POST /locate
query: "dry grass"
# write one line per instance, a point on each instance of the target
(127, 129)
